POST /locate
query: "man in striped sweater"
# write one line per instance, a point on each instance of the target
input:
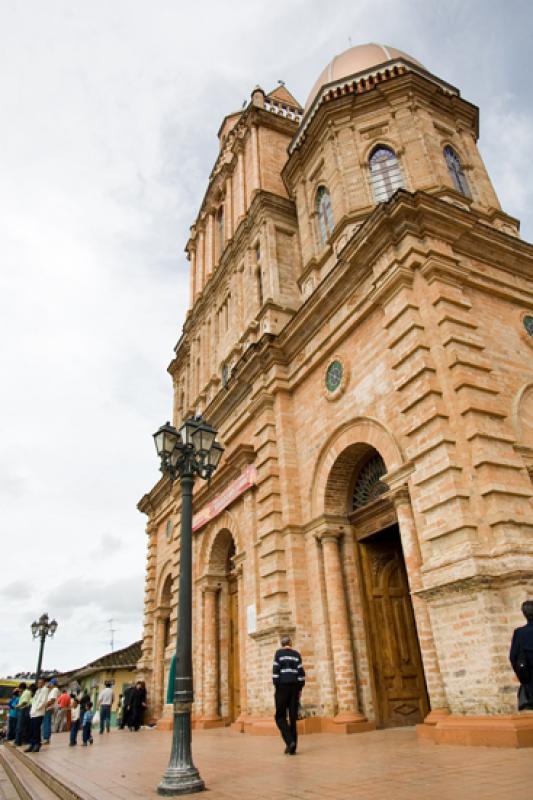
(288, 676)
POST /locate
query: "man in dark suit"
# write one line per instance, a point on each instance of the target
(288, 676)
(522, 643)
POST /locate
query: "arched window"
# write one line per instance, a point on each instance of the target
(385, 175)
(453, 162)
(325, 214)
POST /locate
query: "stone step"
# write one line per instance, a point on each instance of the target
(7, 790)
(46, 778)
(26, 784)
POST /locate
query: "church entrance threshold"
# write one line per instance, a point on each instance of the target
(401, 697)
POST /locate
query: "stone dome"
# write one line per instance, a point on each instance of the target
(357, 59)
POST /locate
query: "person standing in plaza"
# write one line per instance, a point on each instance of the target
(74, 721)
(53, 694)
(126, 707)
(87, 726)
(521, 657)
(288, 676)
(138, 706)
(12, 715)
(22, 730)
(120, 711)
(84, 702)
(105, 701)
(37, 711)
(63, 709)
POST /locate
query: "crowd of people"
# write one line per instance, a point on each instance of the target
(40, 709)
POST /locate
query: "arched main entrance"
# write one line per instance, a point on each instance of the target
(394, 651)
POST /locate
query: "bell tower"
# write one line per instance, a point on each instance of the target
(243, 250)
(377, 121)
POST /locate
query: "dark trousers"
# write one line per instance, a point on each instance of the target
(74, 728)
(35, 732)
(87, 733)
(11, 728)
(287, 697)
(105, 718)
(22, 731)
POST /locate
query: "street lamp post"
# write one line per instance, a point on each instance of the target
(41, 630)
(184, 454)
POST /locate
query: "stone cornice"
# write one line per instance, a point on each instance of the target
(474, 584)
(403, 78)
(151, 502)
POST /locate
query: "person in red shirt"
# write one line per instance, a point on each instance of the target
(63, 704)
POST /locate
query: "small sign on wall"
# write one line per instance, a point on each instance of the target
(251, 618)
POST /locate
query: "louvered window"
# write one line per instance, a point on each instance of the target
(369, 485)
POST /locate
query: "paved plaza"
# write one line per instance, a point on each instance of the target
(382, 765)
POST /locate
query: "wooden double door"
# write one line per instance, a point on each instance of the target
(396, 663)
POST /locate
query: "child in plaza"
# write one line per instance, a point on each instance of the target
(74, 721)
(87, 733)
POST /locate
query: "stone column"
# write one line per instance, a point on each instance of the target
(241, 185)
(200, 258)
(159, 662)
(339, 628)
(228, 212)
(413, 560)
(238, 724)
(193, 277)
(208, 247)
(256, 179)
(210, 717)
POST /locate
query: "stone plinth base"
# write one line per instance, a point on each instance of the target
(166, 720)
(342, 723)
(347, 723)
(204, 723)
(505, 730)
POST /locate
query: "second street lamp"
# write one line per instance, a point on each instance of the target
(41, 630)
(192, 451)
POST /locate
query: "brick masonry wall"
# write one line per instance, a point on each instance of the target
(422, 306)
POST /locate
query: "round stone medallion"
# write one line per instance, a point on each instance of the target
(334, 376)
(527, 320)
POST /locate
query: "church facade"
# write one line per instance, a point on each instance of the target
(360, 333)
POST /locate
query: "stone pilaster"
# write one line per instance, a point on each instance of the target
(339, 627)
(211, 702)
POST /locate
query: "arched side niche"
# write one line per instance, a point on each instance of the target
(166, 592)
(523, 415)
(225, 522)
(222, 550)
(347, 447)
(165, 603)
(164, 585)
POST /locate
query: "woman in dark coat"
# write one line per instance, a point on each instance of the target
(138, 706)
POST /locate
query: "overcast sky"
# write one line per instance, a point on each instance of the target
(109, 119)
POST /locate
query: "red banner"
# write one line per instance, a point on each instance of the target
(246, 480)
